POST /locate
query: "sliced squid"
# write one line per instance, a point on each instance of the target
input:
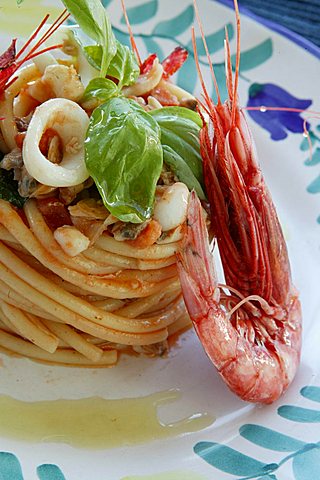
(146, 81)
(43, 61)
(70, 122)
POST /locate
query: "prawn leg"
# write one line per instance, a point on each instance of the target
(257, 365)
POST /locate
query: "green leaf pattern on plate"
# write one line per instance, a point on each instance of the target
(305, 456)
(255, 56)
(178, 24)
(49, 472)
(141, 13)
(153, 46)
(10, 468)
(214, 40)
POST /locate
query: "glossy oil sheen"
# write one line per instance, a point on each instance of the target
(94, 422)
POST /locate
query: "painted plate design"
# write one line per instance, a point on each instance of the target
(205, 432)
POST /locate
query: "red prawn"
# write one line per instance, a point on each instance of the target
(251, 330)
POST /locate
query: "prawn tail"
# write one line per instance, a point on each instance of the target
(195, 266)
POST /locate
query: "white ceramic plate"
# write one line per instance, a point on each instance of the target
(245, 441)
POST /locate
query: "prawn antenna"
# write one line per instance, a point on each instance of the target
(237, 66)
(32, 37)
(35, 49)
(228, 66)
(132, 40)
(196, 58)
(203, 37)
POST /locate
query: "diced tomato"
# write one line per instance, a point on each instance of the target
(174, 61)
(148, 63)
(55, 212)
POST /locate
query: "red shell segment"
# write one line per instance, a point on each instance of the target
(174, 61)
(148, 63)
(8, 57)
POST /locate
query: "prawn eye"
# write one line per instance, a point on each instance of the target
(70, 122)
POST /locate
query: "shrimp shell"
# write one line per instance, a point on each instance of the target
(256, 353)
(252, 332)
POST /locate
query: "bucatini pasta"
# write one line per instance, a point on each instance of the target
(93, 201)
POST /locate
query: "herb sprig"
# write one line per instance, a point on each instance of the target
(94, 21)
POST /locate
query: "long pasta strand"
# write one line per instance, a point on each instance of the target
(79, 310)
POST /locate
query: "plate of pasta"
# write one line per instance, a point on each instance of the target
(128, 168)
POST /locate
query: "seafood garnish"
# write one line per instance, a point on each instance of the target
(250, 329)
(173, 62)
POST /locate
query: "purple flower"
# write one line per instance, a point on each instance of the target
(274, 121)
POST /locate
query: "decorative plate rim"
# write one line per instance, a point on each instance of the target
(276, 27)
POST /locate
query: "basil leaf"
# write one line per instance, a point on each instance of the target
(9, 189)
(109, 47)
(100, 89)
(124, 66)
(90, 15)
(181, 169)
(93, 54)
(94, 21)
(180, 129)
(124, 158)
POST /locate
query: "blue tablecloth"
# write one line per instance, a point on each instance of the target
(300, 16)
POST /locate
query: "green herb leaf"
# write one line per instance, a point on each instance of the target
(100, 89)
(93, 54)
(124, 158)
(94, 21)
(124, 66)
(180, 129)
(9, 189)
(182, 170)
(19, 2)
(90, 15)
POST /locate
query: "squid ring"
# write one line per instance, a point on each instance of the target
(70, 122)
